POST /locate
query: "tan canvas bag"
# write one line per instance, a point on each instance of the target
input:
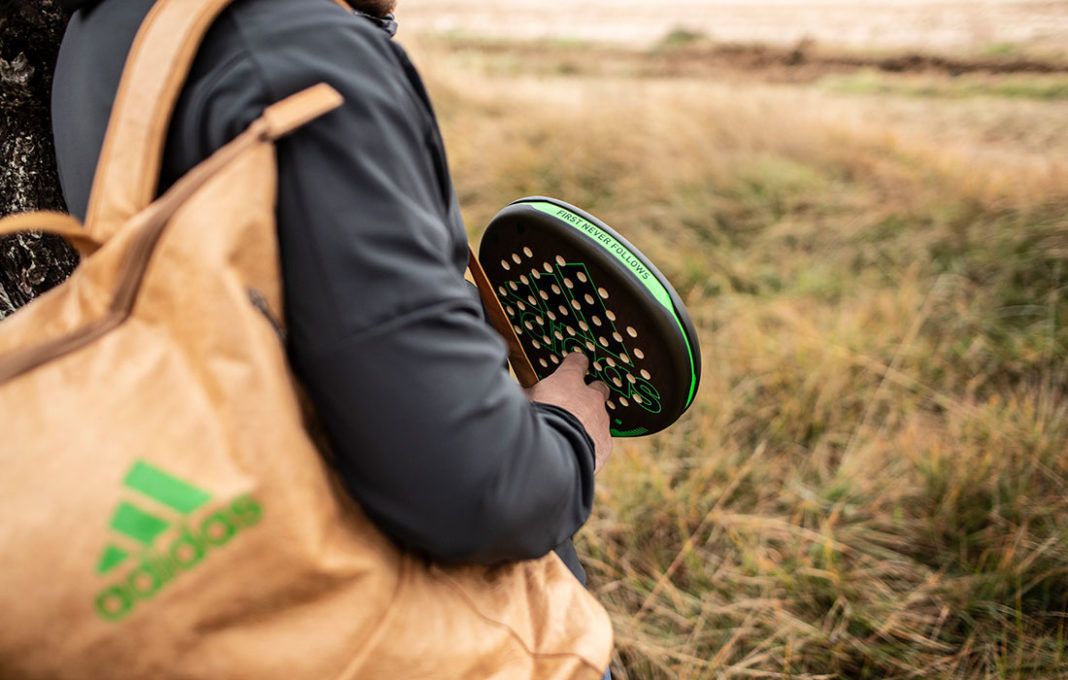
(165, 513)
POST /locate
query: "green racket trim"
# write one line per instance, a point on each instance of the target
(624, 255)
(636, 432)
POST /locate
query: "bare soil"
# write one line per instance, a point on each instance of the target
(923, 25)
(804, 62)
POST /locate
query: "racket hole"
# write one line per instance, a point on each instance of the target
(558, 335)
(543, 295)
(571, 331)
(597, 366)
(575, 304)
(631, 379)
(611, 405)
(581, 277)
(611, 362)
(511, 312)
(544, 363)
(532, 300)
(503, 291)
(524, 280)
(551, 315)
(528, 252)
(540, 321)
(603, 293)
(617, 337)
(624, 358)
(505, 266)
(631, 332)
(590, 346)
(637, 398)
(529, 326)
(518, 330)
(536, 344)
(617, 382)
(584, 327)
(569, 283)
(560, 260)
(521, 305)
(555, 359)
(556, 289)
(563, 310)
(610, 314)
(596, 320)
(646, 374)
(513, 285)
(623, 402)
(548, 340)
(547, 267)
(516, 258)
(639, 353)
(603, 341)
(589, 299)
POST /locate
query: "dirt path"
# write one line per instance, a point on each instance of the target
(938, 25)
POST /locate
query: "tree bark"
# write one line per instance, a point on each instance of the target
(30, 264)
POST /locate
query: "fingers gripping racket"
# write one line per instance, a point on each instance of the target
(558, 280)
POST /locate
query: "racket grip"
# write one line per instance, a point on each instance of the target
(521, 366)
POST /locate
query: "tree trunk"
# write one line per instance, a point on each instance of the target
(30, 32)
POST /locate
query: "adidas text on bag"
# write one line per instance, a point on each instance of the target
(184, 550)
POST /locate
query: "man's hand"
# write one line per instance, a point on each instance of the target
(567, 389)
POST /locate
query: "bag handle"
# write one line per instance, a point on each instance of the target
(277, 120)
(156, 68)
(58, 224)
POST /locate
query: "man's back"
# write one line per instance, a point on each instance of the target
(428, 431)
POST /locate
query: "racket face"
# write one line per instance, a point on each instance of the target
(569, 283)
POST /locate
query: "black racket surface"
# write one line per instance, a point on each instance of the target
(569, 283)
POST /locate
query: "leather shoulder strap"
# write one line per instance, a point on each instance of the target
(59, 224)
(159, 61)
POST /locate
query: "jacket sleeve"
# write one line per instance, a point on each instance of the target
(431, 435)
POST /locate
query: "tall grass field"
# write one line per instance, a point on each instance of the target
(873, 482)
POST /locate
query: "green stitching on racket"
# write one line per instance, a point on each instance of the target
(624, 255)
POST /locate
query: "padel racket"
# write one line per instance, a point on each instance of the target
(567, 282)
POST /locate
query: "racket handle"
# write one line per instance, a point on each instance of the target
(524, 370)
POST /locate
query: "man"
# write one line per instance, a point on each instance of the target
(432, 437)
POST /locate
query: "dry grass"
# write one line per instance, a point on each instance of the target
(874, 481)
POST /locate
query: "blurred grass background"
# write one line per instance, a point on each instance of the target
(874, 480)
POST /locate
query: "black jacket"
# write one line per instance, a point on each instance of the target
(433, 438)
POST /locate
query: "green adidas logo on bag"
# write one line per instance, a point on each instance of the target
(157, 567)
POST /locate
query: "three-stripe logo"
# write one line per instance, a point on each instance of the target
(144, 527)
(165, 503)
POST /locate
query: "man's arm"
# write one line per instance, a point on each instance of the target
(433, 438)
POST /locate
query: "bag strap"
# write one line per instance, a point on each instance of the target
(127, 174)
(277, 120)
(58, 224)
